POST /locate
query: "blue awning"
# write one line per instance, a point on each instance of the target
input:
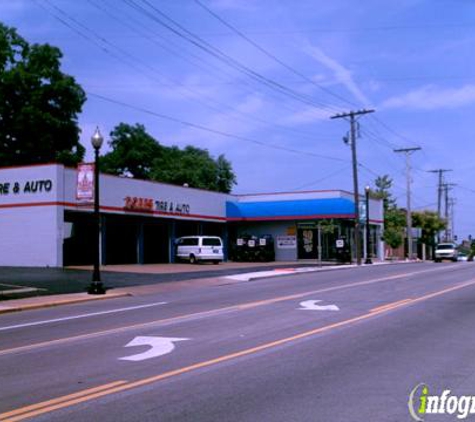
(300, 209)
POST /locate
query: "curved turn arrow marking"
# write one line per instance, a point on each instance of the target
(158, 346)
(311, 305)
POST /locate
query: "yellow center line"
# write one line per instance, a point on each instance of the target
(108, 389)
(211, 312)
(391, 305)
(33, 407)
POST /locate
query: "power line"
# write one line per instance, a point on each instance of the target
(201, 62)
(270, 55)
(293, 70)
(132, 60)
(435, 26)
(211, 130)
(328, 176)
(158, 16)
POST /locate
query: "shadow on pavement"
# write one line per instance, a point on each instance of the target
(49, 281)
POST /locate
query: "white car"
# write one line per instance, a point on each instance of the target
(446, 251)
(199, 248)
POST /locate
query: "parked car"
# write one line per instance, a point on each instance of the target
(199, 248)
(446, 251)
(462, 256)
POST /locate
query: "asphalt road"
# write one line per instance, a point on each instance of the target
(247, 352)
(65, 280)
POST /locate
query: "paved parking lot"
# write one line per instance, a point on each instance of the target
(77, 279)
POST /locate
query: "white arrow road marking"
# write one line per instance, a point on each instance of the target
(158, 346)
(311, 305)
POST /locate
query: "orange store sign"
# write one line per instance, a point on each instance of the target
(138, 204)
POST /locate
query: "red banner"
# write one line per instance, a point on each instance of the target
(85, 182)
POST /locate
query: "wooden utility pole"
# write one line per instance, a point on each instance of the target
(408, 152)
(440, 173)
(351, 116)
(448, 231)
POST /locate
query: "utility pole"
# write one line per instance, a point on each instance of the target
(408, 152)
(447, 187)
(440, 172)
(452, 202)
(352, 115)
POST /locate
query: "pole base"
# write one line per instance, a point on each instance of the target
(368, 261)
(96, 288)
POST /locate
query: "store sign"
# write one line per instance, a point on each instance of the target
(138, 204)
(340, 243)
(286, 242)
(172, 207)
(307, 225)
(85, 182)
(148, 205)
(31, 186)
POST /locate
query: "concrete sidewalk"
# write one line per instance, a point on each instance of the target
(16, 282)
(37, 302)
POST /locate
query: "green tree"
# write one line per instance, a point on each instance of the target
(394, 224)
(394, 217)
(191, 166)
(225, 179)
(39, 104)
(327, 226)
(136, 153)
(383, 185)
(133, 152)
(430, 223)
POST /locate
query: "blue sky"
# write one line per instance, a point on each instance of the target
(410, 60)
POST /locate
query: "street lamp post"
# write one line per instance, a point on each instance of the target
(368, 249)
(96, 287)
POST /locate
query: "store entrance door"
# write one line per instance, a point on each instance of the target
(307, 243)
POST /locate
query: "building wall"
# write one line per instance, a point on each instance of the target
(31, 216)
(276, 230)
(33, 200)
(169, 201)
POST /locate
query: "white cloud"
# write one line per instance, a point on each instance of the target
(431, 97)
(309, 115)
(341, 73)
(229, 122)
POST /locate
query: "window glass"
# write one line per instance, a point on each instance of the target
(442, 247)
(192, 241)
(211, 241)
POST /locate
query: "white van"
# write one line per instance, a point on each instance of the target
(199, 248)
(446, 251)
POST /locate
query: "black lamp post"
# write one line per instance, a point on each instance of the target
(368, 249)
(96, 287)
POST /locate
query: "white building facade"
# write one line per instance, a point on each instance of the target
(44, 224)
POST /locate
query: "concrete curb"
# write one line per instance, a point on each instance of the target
(50, 301)
(18, 305)
(306, 270)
